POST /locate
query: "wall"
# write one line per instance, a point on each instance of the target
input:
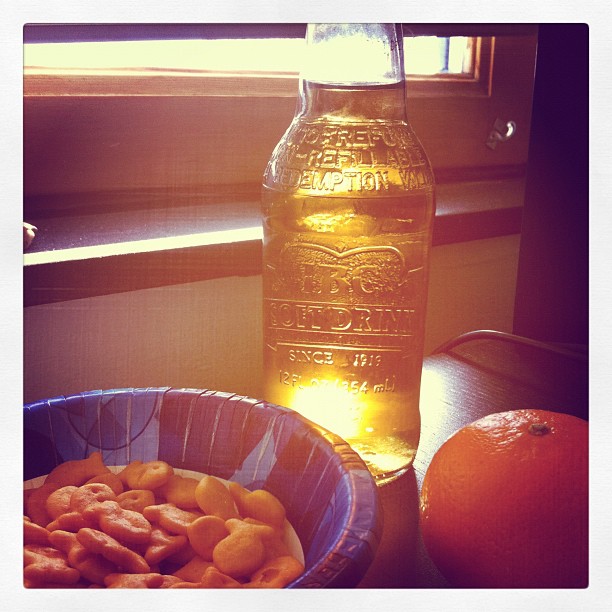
(207, 334)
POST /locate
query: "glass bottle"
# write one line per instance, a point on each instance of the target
(348, 204)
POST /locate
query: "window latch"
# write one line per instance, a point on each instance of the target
(502, 131)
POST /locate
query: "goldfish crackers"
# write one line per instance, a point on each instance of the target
(147, 527)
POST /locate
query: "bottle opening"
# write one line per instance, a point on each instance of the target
(353, 53)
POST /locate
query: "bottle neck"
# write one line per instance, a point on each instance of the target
(353, 71)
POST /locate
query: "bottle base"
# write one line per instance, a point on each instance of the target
(387, 458)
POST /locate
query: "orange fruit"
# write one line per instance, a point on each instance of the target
(504, 502)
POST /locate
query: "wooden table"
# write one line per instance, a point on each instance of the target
(480, 373)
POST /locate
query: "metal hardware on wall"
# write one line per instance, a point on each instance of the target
(502, 131)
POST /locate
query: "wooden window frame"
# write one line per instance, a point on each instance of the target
(452, 118)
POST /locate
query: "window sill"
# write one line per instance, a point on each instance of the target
(80, 256)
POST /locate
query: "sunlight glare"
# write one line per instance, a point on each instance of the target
(274, 54)
(148, 245)
(434, 397)
(330, 407)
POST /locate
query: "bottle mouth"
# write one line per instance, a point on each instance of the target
(345, 54)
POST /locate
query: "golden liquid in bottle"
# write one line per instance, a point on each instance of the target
(348, 204)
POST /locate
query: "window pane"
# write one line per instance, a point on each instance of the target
(270, 55)
(435, 55)
(424, 55)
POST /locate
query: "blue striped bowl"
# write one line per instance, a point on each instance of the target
(331, 500)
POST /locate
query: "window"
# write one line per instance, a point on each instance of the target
(425, 56)
(128, 129)
(439, 55)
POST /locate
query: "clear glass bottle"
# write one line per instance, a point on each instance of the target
(348, 204)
